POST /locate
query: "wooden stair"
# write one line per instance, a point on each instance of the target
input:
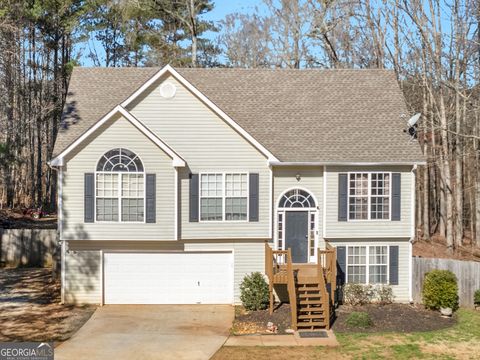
(313, 307)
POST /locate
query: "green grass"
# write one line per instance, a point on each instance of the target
(412, 345)
(462, 341)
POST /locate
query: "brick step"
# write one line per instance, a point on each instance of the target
(314, 316)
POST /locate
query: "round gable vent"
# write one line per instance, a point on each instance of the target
(167, 90)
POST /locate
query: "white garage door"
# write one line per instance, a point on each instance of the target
(168, 278)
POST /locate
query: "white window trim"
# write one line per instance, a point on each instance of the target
(223, 173)
(369, 195)
(119, 196)
(367, 264)
(310, 210)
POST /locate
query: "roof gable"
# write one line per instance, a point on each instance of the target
(176, 159)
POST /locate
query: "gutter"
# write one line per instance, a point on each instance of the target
(344, 163)
(62, 243)
(412, 231)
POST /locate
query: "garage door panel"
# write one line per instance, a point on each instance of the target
(168, 278)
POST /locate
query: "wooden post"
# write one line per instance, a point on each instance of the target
(291, 289)
(269, 273)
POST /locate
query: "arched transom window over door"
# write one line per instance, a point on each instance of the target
(299, 200)
(120, 187)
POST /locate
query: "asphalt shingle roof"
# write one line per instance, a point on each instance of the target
(298, 115)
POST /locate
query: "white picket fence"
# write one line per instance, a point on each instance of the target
(467, 272)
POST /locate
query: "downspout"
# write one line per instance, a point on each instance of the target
(62, 243)
(412, 232)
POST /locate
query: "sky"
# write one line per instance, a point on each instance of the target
(220, 10)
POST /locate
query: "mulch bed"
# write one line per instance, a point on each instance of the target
(255, 322)
(30, 308)
(394, 318)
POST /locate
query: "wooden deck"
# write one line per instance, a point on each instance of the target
(311, 287)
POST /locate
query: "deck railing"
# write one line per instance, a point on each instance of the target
(276, 266)
(280, 269)
(292, 290)
(328, 261)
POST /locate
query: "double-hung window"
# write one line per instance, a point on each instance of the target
(120, 187)
(369, 196)
(367, 264)
(223, 196)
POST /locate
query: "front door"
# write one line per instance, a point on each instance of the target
(296, 235)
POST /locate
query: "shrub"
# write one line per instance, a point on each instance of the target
(440, 290)
(359, 319)
(254, 292)
(358, 294)
(476, 298)
(384, 294)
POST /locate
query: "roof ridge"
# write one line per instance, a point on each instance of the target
(231, 68)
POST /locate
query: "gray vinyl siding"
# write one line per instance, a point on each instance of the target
(207, 144)
(83, 274)
(311, 179)
(401, 291)
(83, 277)
(368, 228)
(117, 132)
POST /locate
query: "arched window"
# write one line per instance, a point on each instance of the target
(296, 198)
(120, 187)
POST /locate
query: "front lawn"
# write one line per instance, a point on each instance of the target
(30, 308)
(461, 341)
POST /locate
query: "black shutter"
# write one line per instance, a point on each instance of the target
(194, 183)
(253, 197)
(393, 265)
(150, 198)
(342, 197)
(396, 196)
(89, 197)
(341, 271)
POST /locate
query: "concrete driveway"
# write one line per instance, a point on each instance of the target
(118, 332)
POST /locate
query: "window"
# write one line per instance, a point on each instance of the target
(357, 264)
(369, 196)
(280, 230)
(223, 197)
(378, 265)
(120, 187)
(296, 198)
(236, 196)
(373, 267)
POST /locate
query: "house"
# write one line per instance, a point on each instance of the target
(171, 181)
